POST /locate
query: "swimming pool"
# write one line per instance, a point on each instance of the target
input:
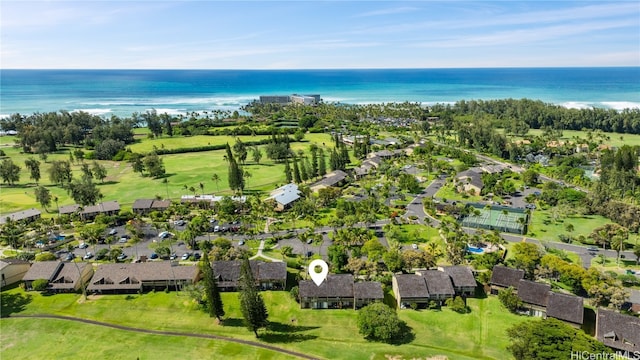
(475, 250)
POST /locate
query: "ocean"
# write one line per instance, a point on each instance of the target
(122, 92)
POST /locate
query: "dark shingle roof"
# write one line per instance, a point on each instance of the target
(272, 271)
(142, 204)
(339, 285)
(617, 330)
(228, 272)
(460, 275)
(505, 276)
(20, 215)
(161, 204)
(474, 177)
(130, 275)
(566, 307)
(332, 178)
(42, 270)
(68, 276)
(368, 290)
(533, 293)
(69, 209)
(411, 286)
(438, 283)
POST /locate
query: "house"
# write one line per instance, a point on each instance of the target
(410, 289)
(285, 196)
(26, 216)
(362, 171)
(208, 200)
(268, 275)
(69, 209)
(568, 308)
(334, 178)
(46, 270)
(136, 277)
(367, 292)
(462, 278)
(338, 291)
(145, 206)
(617, 331)
(108, 208)
(470, 181)
(383, 154)
(438, 284)
(503, 277)
(71, 277)
(534, 296)
(12, 271)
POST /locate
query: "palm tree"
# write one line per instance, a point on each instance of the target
(201, 188)
(247, 176)
(216, 178)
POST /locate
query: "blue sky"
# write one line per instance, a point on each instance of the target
(317, 34)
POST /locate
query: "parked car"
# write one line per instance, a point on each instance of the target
(309, 241)
(241, 242)
(186, 256)
(196, 256)
(164, 235)
(123, 240)
(83, 246)
(173, 256)
(153, 256)
(592, 248)
(414, 246)
(88, 256)
(70, 257)
(113, 231)
(179, 222)
(122, 256)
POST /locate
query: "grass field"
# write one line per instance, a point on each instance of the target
(330, 334)
(583, 225)
(124, 185)
(615, 139)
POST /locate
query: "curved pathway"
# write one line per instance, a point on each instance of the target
(170, 333)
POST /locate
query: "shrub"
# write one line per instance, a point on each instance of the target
(295, 293)
(40, 284)
(45, 256)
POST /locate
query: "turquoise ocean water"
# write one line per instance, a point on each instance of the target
(122, 92)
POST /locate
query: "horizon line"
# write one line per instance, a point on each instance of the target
(325, 69)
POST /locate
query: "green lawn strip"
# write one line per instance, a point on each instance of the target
(328, 334)
(61, 339)
(615, 139)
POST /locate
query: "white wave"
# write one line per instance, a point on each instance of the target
(169, 111)
(621, 105)
(223, 100)
(576, 105)
(94, 111)
(4, 116)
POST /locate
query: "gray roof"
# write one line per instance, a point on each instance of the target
(68, 276)
(42, 270)
(411, 286)
(161, 204)
(142, 204)
(69, 209)
(438, 283)
(617, 330)
(228, 272)
(287, 196)
(368, 290)
(506, 276)
(565, 307)
(533, 293)
(131, 275)
(107, 206)
(339, 285)
(6, 262)
(20, 215)
(332, 178)
(473, 177)
(272, 271)
(460, 275)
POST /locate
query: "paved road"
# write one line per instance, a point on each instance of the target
(171, 333)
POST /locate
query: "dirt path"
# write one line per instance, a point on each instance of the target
(170, 333)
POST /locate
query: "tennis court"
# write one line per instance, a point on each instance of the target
(501, 218)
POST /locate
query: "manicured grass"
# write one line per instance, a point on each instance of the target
(25, 339)
(330, 334)
(615, 139)
(583, 225)
(165, 142)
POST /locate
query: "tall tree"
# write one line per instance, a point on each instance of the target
(9, 172)
(213, 301)
(60, 172)
(287, 171)
(99, 171)
(33, 166)
(253, 309)
(154, 165)
(322, 163)
(43, 196)
(216, 179)
(296, 172)
(256, 154)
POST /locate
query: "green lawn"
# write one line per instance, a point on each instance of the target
(615, 139)
(583, 225)
(330, 334)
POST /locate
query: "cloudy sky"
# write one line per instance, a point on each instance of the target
(301, 34)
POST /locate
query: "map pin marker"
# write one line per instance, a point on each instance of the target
(318, 277)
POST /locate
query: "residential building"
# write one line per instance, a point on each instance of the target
(410, 289)
(69, 209)
(334, 178)
(268, 275)
(470, 181)
(534, 296)
(338, 291)
(61, 276)
(568, 308)
(438, 284)
(137, 277)
(618, 331)
(46, 270)
(26, 216)
(108, 208)
(145, 206)
(12, 271)
(503, 277)
(464, 283)
(285, 196)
